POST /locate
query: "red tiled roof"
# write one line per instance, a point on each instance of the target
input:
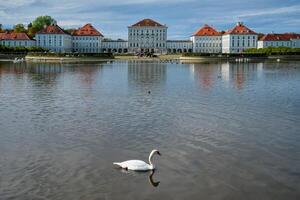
(14, 36)
(147, 22)
(240, 29)
(292, 35)
(207, 30)
(280, 37)
(87, 30)
(52, 29)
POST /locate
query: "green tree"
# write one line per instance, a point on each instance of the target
(29, 26)
(42, 21)
(19, 28)
(0, 27)
(30, 30)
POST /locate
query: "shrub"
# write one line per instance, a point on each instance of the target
(274, 51)
(20, 49)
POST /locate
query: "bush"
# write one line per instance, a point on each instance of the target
(274, 51)
(20, 49)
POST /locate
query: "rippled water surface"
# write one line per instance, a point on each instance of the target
(225, 130)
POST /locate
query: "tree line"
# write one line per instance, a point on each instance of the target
(33, 27)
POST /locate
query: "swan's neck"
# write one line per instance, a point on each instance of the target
(150, 159)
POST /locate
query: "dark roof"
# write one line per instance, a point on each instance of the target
(207, 30)
(14, 36)
(147, 22)
(280, 37)
(240, 29)
(86, 30)
(52, 29)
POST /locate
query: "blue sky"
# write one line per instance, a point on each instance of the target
(183, 17)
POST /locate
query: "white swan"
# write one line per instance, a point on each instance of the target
(138, 165)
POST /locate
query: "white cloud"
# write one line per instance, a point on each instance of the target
(271, 11)
(3, 14)
(68, 23)
(15, 3)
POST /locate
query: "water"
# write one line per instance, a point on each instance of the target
(225, 130)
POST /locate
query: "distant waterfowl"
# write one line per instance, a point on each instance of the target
(18, 60)
(149, 92)
(139, 165)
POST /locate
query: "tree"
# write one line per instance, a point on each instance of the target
(69, 30)
(0, 27)
(29, 25)
(42, 21)
(30, 30)
(19, 28)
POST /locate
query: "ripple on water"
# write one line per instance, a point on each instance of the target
(225, 130)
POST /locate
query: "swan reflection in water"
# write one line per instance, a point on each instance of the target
(153, 183)
(150, 177)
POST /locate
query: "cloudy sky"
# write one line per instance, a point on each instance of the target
(183, 17)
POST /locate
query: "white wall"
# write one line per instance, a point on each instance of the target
(264, 44)
(86, 44)
(179, 46)
(18, 43)
(295, 43)
(153, 38)
(207, 44)
(238, 43)
(226, 43)
(120, 46)
(59, 43)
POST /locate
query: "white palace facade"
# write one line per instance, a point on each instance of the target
(149, 36)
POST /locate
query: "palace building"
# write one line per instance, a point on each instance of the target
(238, 39)
(291, 40)
(114, 46)
(55, 39)
(87, 39)
(149, 36)
(16, 40)
(180, 46)
(207, 40)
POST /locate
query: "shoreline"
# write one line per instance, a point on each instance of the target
(240, 58)
(178, 58)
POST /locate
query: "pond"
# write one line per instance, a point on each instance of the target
(225, 130)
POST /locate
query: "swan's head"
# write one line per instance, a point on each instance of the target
(155, 151)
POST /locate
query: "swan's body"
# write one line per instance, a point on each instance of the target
(138, 165)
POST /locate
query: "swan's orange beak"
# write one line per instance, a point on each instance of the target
(158, 153)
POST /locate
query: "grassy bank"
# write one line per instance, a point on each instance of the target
(71, 55)
(68, 57)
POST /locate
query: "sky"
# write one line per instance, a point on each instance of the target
(183, 17)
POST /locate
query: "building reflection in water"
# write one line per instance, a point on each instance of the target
(48, 73)
(207, 74)
(146, 75)
(240, 73)
(88, 73)
(36, 73)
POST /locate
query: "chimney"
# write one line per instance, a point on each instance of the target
(239, 23)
